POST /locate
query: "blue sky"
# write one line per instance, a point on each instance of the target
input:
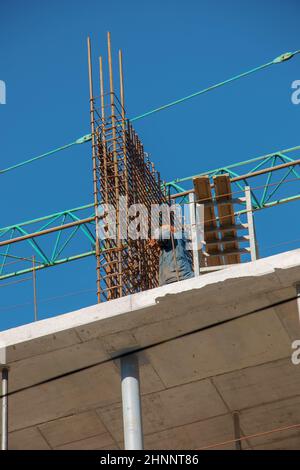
(171, 49)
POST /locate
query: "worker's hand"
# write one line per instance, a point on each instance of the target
(152, 243)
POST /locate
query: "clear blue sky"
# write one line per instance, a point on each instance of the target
(171, 48)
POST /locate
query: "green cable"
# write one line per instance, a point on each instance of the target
(81, 140)
(279, 59)
(13, 167)
(88, 137)
(197, 93)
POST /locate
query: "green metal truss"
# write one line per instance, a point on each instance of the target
(65, 245)
(264, 187)
(49, 249)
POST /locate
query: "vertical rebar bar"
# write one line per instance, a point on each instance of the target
(123, 120)
(96, 208)
(104, 181)
(125, 162)
(116, 164)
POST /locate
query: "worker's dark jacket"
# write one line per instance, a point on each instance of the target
(167, 263)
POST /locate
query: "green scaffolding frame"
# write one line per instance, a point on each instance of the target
(57, 249)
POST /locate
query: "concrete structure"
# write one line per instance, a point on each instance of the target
(239, 359)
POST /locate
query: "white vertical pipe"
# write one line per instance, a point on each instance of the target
(194, 233)
(250, 220)
(132, 414)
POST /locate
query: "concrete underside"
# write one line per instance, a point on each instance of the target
(238, 359)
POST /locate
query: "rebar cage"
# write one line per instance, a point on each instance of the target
(123, 177)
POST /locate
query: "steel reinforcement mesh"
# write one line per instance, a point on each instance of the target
(125, 177)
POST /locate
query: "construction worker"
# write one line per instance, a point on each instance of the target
(175, 262)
